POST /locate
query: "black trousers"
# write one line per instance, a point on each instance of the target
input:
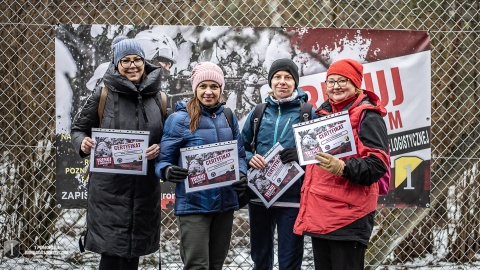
(118, 263)
(338, 255)
(205, 239)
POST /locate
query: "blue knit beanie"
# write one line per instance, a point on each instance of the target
(122, 46)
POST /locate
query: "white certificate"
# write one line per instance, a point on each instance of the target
(272, 181)
(330, 134)
(119, 151)
(210, 166)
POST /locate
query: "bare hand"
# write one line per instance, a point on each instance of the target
(257, 162)
(87, 145)
(153, 151)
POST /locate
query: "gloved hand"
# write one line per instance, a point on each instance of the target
(330, 163)
(288, 155)
(241, 185)
(175, 174)
(243, 192)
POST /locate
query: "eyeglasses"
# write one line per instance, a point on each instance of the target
(341, 83)
(127, 63)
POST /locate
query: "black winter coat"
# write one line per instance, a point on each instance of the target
(123, 216)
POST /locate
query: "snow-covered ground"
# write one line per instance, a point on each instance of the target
(65, 254)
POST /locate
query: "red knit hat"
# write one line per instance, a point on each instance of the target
(349, 68)
(207, 71)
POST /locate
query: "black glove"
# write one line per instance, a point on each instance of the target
(241, 185)
(175, 174)
(288, 155)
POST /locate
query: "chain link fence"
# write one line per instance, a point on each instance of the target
(444, 236)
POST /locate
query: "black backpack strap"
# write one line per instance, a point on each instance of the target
(257, 118)
(306, 112)
(229, 115)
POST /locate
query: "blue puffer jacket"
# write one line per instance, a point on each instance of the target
(276, 126)
(213, 128)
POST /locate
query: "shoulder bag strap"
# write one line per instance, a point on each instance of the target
(164, 104)
(101, 104)
(306, 112)
(229, 115)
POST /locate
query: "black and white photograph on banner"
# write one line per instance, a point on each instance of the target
(396, 68)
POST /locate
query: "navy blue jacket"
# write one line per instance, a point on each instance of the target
(212, 128)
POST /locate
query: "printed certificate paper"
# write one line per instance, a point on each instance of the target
(330, 134)
(119, 151)
(272, 181)
(210, 166)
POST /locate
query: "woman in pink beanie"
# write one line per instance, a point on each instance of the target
(339, 196)
(205, 217)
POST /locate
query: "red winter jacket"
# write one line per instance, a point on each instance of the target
(329, 202)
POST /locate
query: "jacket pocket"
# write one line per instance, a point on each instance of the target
(341, 195)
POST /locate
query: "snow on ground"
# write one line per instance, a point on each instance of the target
(64, 254)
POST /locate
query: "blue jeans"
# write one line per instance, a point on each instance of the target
(262, 228)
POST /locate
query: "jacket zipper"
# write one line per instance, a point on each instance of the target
(139, 99)
(276, 126)
(285, 128)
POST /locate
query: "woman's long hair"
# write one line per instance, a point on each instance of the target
(194, 110)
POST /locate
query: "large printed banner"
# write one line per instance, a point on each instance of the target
(396, 67)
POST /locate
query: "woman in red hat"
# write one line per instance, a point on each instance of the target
(339, 196)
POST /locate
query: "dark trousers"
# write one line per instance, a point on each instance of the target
(205, 240)
(262, 228)
(338, 255)
(119, 263)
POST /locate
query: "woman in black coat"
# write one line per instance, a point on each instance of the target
(123, 216)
